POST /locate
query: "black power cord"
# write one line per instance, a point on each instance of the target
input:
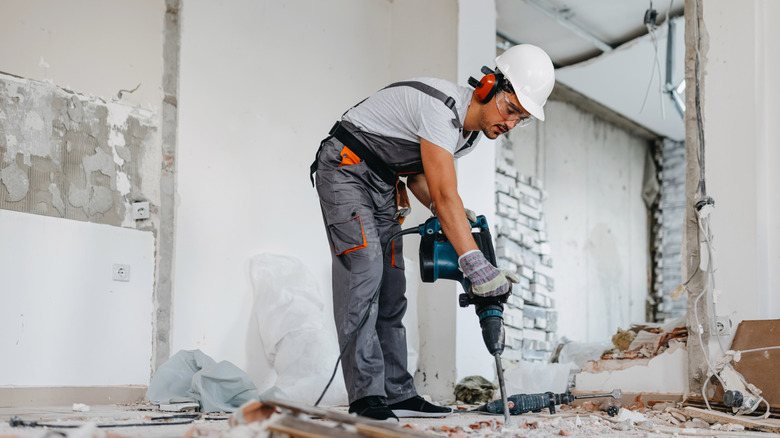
(368, 309)
(16, 421)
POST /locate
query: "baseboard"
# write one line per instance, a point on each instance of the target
(32, 396)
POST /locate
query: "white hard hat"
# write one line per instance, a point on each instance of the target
(531, 73)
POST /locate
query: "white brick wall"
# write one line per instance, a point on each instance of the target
(521, 246)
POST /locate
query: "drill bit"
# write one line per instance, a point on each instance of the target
(502, 387)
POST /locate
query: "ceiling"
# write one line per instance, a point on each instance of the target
(603, 50)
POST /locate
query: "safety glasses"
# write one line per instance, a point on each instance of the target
(511, 112)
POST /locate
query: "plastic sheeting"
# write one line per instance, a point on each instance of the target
(291, 320)
(192, 376)
(580, 352)
(533, 377)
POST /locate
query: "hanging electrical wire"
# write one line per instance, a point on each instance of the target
(649, 20)
(697, 101)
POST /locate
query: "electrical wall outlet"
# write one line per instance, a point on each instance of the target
(722, 326)
(141, 210)
(120, 272)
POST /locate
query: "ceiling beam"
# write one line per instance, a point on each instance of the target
(565, 21)
(563, 93)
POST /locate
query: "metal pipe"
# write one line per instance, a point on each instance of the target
(564, 21)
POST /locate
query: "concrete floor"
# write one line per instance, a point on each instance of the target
(567, 422)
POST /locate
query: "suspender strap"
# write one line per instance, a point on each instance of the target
(314, 165)
(470, 141)
(436, 94)
(373, 162)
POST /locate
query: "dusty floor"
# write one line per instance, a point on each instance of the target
(566, 422)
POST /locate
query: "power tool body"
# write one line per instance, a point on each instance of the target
(438, 259)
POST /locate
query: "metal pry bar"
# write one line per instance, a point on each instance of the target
(616, 394)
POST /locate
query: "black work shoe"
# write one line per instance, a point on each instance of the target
(418, 407)
(373, 407)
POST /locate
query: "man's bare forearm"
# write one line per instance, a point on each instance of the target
(418, 185)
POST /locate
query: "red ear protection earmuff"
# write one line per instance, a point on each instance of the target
(486, 88)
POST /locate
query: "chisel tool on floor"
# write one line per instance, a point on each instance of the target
(522, 403)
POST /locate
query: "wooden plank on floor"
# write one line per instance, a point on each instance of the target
(299, 428)
(717, 405)
(764, 425)
(365, 426)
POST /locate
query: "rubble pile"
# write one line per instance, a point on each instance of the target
(647, 340)
(589, 420)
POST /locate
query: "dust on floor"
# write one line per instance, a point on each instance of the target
(660, 420)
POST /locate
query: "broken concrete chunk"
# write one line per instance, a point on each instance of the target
(474, 390)
(696, 423)
(80, 407)
(631, 416)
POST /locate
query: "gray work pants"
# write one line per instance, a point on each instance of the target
(358, 209)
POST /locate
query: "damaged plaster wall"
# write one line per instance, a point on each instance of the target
(597, 220)
(68, 155)
(80, 91)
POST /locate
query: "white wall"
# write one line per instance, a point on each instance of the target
(261, 84)
(96, 47)
(64, 321)
(476, 174)
(741, 96)
(597, 221)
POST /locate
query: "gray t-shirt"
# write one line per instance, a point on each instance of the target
(394, 119)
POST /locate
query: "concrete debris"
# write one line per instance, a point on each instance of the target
(663, 374)
(474, 390)
(731, 427)
(280, 420)
(80, 407)
(631, 416)
(695, 423)
(622, 339)
(644, 341)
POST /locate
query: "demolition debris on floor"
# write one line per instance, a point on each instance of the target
(636, 418)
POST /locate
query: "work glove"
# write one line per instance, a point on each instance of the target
(486, 279)
(470, 214)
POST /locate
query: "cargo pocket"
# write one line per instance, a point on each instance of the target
(347, 236)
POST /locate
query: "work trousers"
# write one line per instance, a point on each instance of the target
(358, 209)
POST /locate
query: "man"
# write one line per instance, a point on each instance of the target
(414, 129)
